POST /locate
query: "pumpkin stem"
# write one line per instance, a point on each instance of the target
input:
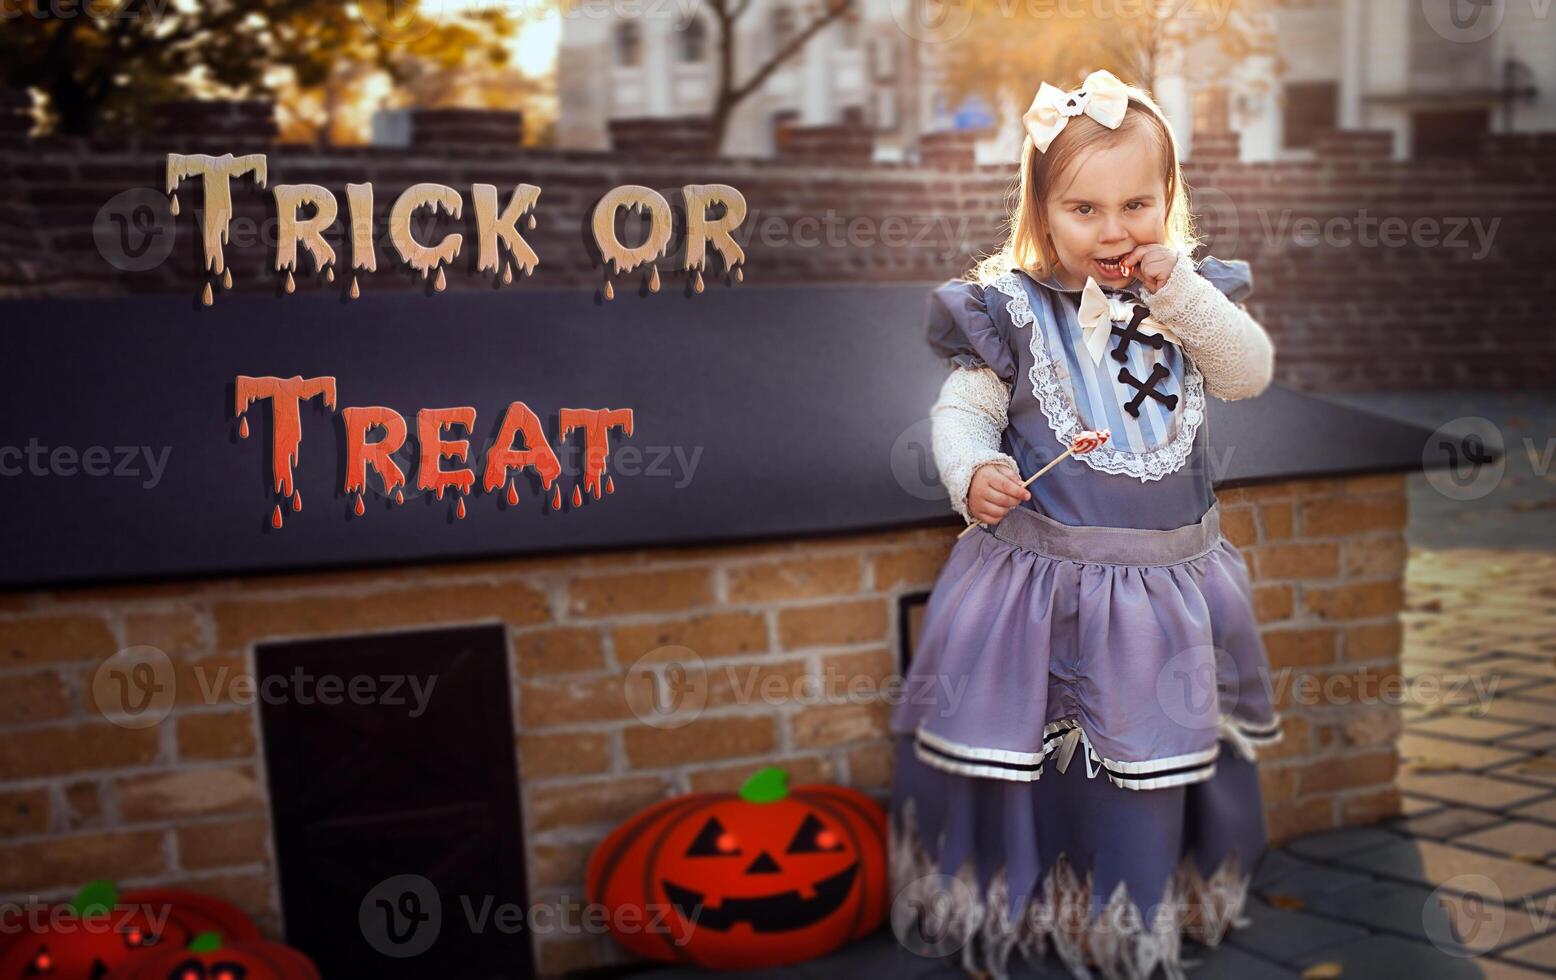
(95, 898)
(768, 785)
(206, 942)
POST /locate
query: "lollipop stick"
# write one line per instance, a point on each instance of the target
(1027, 482)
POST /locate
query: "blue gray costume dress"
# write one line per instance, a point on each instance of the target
(1105, 620)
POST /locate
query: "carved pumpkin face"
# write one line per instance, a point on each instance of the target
(764, 878)
(82, 941)
(104, 930)
(83, 950)
(188, 914)
(209, 958)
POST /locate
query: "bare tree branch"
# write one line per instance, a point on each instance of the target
(798, 41)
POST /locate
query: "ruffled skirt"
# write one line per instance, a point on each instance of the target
(1137, 649)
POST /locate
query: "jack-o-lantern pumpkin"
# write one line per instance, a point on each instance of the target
(101, 929)
(763, 878)
(209, 958)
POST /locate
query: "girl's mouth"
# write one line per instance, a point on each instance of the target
(1112, 268)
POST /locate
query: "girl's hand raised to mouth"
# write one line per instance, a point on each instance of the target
(1152, 263)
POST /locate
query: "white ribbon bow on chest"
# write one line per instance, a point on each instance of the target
(1099, 311)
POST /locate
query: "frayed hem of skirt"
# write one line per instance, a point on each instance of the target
(1116, 943)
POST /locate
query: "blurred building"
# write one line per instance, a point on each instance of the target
(1436, 73)
(663, 63)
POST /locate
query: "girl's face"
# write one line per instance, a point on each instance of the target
(1110, 200)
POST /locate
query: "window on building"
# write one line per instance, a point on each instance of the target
(629, 44)
(1311, 108)
(693, 40)
(850, 29)
(1448, 132)
(783, 27)
(1211, 110)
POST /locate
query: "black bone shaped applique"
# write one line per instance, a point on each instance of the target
(1132, 333)
(1146, 387)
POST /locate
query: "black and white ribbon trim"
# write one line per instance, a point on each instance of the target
(1067, 736)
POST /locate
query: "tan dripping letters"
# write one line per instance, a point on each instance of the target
(305, 211)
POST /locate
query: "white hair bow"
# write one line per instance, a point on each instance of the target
(1099, 311)
(1102, 97)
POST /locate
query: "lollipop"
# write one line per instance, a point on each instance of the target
(1084, 442)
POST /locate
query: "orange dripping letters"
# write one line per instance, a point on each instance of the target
(361, 454)
(430, 423)
(502, 457)
(286, 396)
(596, 423)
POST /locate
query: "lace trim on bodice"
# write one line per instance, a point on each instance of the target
(1058, 403)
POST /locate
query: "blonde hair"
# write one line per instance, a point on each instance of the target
(1028, 244)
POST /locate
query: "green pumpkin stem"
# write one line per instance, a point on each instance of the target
(206, 942)
(95, 898)
(767, 785)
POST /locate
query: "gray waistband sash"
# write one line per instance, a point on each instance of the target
(1026, 528)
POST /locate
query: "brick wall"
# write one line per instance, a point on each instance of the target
(185, 802)
(1348, 307)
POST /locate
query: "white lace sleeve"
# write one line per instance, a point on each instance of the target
(1230, 348)
(966, 425)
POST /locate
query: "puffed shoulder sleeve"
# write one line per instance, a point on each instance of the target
(1233, 277)
(965, 332)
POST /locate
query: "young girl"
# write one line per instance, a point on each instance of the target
(1099, 612)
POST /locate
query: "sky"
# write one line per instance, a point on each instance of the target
(534, 46)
